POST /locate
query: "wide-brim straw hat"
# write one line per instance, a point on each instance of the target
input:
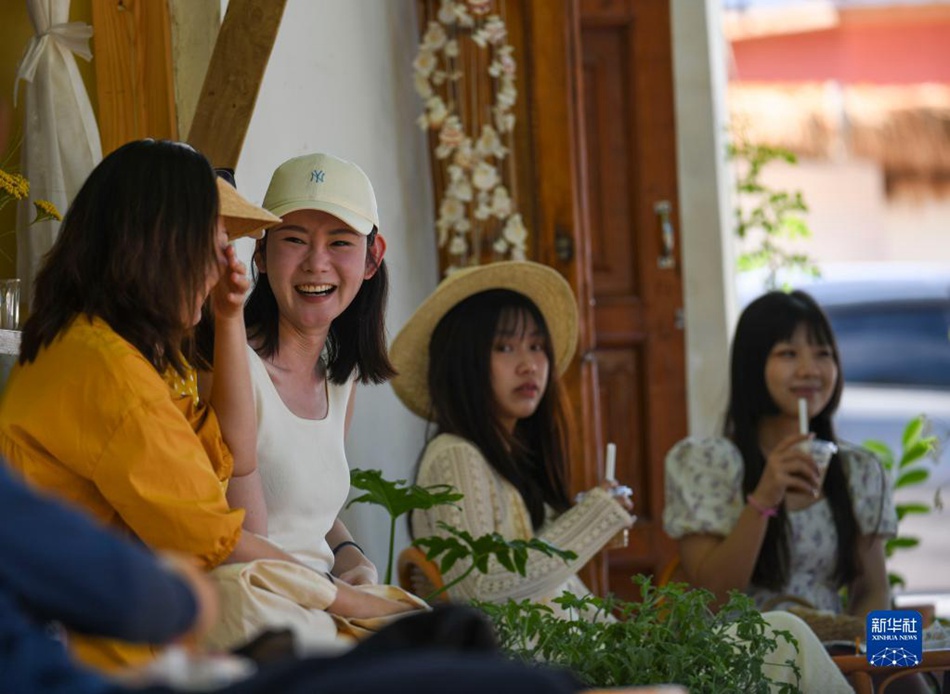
(543, 285)
(241, 216)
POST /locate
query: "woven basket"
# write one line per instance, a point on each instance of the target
(827, 626)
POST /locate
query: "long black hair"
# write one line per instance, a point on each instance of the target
(135, 249)
(533, 457)
(357, 337)
(772, 318)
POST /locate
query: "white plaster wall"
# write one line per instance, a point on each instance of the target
(340, 80)
(699, 61)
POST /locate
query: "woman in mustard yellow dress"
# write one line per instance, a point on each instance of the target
(102, 407)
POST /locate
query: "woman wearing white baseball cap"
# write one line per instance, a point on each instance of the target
(315, 326)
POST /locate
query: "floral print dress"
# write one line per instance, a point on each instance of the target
(704, 496)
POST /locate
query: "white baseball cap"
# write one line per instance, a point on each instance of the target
(327, 183)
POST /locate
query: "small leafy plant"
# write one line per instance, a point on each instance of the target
(908, 470)
(672, 635)
(398, 498)
(765, 213)
(459, 544)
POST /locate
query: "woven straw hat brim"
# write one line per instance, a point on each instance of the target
(543, 285)
(242, 217)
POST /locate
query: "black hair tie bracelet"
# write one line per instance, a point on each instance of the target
(346, 543)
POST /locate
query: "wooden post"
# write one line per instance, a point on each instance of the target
(132, 45)
(234, 79)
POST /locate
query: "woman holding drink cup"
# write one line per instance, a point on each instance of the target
(481, 358)
(756, 509)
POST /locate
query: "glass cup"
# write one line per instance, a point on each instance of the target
(10, 304)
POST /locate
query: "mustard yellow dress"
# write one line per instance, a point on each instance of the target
(92, 421)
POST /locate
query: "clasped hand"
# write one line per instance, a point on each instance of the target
(788, 468)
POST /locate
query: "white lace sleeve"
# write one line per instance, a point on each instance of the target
(492, 505)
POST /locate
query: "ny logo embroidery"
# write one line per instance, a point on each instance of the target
(317, 175)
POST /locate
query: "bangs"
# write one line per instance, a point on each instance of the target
(799, 313)
(513, 320)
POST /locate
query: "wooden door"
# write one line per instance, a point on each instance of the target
(630, 184)
(600, 139)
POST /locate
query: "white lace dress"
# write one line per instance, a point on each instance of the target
(492, 504)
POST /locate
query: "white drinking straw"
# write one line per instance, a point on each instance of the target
(611, 464)
(802, 416)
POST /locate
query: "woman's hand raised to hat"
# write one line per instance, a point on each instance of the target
(233, 283)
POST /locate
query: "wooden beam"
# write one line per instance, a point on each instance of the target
(132, 45)
(234, 79)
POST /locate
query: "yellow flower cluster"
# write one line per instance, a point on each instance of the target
(46, 210)
(14, 186)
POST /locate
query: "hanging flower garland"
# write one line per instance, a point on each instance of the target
(476, 208)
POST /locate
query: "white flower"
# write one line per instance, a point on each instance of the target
(504, 121)
(458, 245)
(500, 246)
(437, 111)
(463, 17)
(423, 122)
(482, 212)
(447, 13)
(462, 225)
(451, 135)
(455, 172)
(517, 253)
(435, 37)
(423, 88)
(451, 210)
(500, 202)
(425, 62)
(460, 190)
(507, 96)
(489, 144)
(451, 49)
(508, 64)
(485, 176)
(480, 6)
(465, 155)
(438, 77)
(514, 231)
(494, 30)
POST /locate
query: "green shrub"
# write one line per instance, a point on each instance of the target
(670, 636)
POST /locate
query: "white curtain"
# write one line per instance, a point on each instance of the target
(60, 140)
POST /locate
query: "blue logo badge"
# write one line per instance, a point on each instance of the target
(317, 175)
(895, 638)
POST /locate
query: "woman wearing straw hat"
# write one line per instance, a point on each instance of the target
(102, 408)
(481, 359)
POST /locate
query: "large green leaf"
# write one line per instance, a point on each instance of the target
(398, 497)
(912, 431)
(911, 477)
(916, 451)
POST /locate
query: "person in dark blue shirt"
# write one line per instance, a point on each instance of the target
(56, 564)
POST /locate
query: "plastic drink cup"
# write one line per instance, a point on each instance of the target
(821, 452)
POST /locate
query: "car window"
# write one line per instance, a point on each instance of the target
(899, 343)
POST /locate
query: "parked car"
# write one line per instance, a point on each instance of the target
(892, 323)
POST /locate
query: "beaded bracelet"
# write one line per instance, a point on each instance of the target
(346, 543)
(766, 511)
